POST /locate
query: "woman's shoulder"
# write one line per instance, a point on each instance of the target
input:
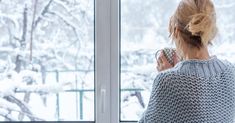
(203, 68)
(200, 69)
(165, 75)
(168, 73)
(228, 63)
(229, 67)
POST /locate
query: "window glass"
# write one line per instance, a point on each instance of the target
(47, 60)
(144, 30)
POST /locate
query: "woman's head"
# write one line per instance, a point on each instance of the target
(193, 23)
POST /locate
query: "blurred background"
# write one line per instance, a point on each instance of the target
(144, 30)
(47, 55)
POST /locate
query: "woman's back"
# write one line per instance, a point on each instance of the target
(193, 91)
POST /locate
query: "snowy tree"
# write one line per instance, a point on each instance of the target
(38, 36)
(42, 36)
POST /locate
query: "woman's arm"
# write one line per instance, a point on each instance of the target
(158, 106)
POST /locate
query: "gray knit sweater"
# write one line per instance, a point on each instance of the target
(194, 91)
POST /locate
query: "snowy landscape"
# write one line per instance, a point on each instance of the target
(47, 55)
(46, 60)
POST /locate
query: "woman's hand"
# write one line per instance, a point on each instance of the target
(163, 64)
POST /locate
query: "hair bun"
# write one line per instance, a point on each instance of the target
(202, 25)
(194, 22)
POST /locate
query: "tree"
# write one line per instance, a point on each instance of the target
(39, 36)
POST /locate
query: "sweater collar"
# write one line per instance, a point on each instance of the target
(204, 68)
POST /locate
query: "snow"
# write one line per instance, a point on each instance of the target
(142, 36)
(62, 67)
(5, 113)
(40, 88)
(56, 48)
(6, 105)
(7, 87)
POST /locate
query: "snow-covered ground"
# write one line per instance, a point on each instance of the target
(55, 80)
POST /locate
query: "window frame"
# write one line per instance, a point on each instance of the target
(107, 62)
(107, 67)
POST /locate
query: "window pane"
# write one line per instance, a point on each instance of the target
(144, 30)
(225, 42)
(47, 60)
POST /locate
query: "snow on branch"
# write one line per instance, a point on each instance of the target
(42, 14)
(42, 89)
(7, 105)
(12, 82)
(4, 113)
(23, 108)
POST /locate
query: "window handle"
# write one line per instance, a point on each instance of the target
(103, 96)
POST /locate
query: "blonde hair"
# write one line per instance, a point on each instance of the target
(194, 22)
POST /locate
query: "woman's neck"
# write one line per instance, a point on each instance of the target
(195, 53)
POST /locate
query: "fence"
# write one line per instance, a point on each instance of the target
(80, 94)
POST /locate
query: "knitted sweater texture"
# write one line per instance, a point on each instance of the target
(194, 91)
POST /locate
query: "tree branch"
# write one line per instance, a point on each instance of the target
(22, 40)
(22, 106)
(69, 25)
(32, 29)
(44, 11)
(7, 117)
(24, 33)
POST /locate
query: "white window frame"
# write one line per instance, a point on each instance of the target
(107, 66)
(107, 61)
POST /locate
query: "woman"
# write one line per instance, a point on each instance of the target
(200, 88)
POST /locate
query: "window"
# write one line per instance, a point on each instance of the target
(47, 60)
(224, 42)
(87, 60)
(144, 30)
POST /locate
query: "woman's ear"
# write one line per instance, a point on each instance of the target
(176, 32)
